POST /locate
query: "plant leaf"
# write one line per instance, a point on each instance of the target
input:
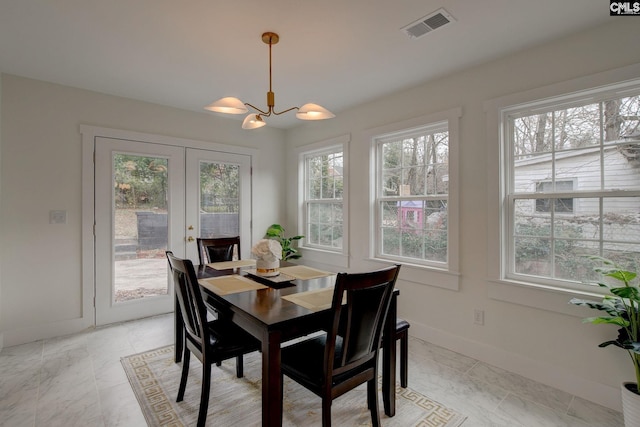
(630, 292)
(613, 320)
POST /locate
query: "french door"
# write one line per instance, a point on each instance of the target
(150, 198)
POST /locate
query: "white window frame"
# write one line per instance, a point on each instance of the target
(542, 295)
(331, 256)
(443, 275)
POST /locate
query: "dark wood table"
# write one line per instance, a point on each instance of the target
(273, 320)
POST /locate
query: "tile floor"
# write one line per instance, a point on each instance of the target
(78, 380)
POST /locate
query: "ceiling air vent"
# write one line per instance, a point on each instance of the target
(424, 25)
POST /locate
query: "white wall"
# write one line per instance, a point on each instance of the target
(549, 345)
(41, 165)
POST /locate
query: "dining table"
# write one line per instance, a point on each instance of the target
(276, 310)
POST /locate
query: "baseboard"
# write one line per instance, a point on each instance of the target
(530, 368)
(19, 336)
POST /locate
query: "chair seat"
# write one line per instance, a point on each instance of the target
(227, 339)
(402, 325)
(305, 362)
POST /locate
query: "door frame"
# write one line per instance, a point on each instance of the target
(89, 135)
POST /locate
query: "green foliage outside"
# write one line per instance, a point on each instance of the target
(140, 182)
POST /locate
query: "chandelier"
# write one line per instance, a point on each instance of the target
(231, 105)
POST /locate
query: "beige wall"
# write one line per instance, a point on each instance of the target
(41, 168)
(549, 344)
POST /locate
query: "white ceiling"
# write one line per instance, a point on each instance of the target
(337, 53)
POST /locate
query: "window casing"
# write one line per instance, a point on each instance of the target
(571, 184)
(323, 204)
(412, 196)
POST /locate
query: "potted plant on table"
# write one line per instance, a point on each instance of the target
(622, 308)
(276, 232)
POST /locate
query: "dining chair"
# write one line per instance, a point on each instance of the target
(210, 341)
(217, 249)
(346, 356)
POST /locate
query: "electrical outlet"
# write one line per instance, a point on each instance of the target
(478, 317)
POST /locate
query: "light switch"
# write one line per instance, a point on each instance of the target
(57, 217)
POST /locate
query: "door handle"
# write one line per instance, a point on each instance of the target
(190, 239)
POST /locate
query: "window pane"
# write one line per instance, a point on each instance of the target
(529, 223)
(533, 256)
(622, 118)
(529, 172)
(577, 127)
(313, 235)
(391, 180)
(390, 241)
(436, 246)
(391, 155)
(622, 166)
(531, 136)
(572, 261)
(140, 226)
(314, 190)
(219, 199)
(626, 255)
(621, 219)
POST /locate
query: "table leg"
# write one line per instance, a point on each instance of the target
(179, 331)
(389, 360)
(271, 380)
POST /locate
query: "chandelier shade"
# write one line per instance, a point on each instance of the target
(231, 105)
(228, 105)
(314, 112)
(253, 121)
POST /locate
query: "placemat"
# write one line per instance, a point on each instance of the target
(225, 265)
(304, 273)
(225, 285)
(315, 300)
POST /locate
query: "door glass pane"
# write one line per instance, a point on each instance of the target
(140, 227)
(219, 199)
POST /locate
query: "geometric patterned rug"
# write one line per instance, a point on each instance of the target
(234, 401)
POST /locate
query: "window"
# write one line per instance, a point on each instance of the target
(571, 185)
(412, 195)
(323, 196)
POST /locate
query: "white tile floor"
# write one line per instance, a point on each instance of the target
(78, 380)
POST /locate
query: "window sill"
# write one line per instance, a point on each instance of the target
(337, 259)
(423, 275)
(540, 296)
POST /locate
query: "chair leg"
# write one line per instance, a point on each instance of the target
(372, 400)
(326, 412)
(186, 357)
(239, 367)
(404, 359)
(204, 394)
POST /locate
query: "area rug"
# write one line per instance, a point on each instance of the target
(233, 401)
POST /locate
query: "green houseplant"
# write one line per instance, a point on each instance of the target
(276, 231)
(622, 308)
